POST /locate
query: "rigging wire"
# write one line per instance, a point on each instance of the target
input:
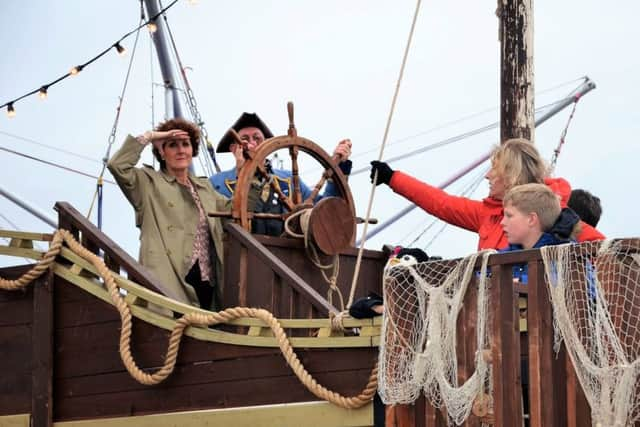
(114, 129)
(556, 152)
(51, 147)
(466, 192)
(471, 116)
(47, 162)
(153, 101)
(190, 98)
(449, 140)
(384, 141)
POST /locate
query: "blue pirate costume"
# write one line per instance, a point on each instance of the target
(268, 202)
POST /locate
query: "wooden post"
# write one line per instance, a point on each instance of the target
(516, 70)
(505, 348)
(540, 329)
(42, 345)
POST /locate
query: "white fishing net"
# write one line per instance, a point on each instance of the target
(418, 344)
(595, 293)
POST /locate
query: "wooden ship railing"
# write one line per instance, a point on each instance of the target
(33, 331)
(57, 339)
(520, 328)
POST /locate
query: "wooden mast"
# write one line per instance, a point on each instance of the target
(516, 69)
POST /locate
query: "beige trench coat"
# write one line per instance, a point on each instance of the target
(167, 217)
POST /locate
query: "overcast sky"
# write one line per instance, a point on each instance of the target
(338, 60)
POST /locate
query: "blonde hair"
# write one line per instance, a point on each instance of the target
(535, 198)
(518, 162)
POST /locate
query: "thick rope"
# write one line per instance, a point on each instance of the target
(356, 272)
(184, 322)
(37, 270)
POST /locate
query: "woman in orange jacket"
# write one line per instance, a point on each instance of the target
(513, 163)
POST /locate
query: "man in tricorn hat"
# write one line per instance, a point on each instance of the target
(254, 131)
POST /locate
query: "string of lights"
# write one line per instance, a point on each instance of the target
(42, 91)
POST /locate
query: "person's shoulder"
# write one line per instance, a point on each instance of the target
(282, 173)
(561, 187)
(222, 175)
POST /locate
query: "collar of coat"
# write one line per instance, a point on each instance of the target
(197, 181)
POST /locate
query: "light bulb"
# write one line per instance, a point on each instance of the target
(120, 49)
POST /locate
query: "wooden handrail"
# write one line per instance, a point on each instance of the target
(281, 269)
(70, 219)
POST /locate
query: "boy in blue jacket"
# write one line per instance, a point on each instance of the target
(533, 218)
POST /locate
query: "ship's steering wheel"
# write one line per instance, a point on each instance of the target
(332, 219)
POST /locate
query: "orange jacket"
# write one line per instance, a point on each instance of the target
(482, 217)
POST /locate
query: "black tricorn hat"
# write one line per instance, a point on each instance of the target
(246, 120)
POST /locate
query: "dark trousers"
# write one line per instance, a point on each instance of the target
(203, 289)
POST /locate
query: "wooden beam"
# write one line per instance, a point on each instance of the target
(505, 348)
(516, 73)
(285, 415)
(287, 274)
(42, 354)
(540, 329)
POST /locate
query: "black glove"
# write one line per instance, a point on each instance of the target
(417, 253)
(362, 308)
(384, 172)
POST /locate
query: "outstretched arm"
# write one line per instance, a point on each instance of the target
(455, 210)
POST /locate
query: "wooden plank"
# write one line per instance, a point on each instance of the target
(40, 237)
(19, 420)
(42, 353)
(230, 294)
(400, 416)
(290, 277)
(201, 396)
(467, 341)
(505, 348)
(222, 371)
(15, 373)
(309, 414)
(541, 354)
(21, 252)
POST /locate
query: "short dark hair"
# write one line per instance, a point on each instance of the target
(178, 123)
(586, 205)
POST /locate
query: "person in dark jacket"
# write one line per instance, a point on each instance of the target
(586, 205)
(254, 131)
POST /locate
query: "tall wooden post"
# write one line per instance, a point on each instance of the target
(516, 69)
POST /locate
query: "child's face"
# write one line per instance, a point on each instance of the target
(518, 226)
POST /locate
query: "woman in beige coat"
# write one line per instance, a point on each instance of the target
(179, 243)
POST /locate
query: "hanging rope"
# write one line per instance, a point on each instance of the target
(98, 193)
(384, 141)
(556, 152)
(314, 257)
